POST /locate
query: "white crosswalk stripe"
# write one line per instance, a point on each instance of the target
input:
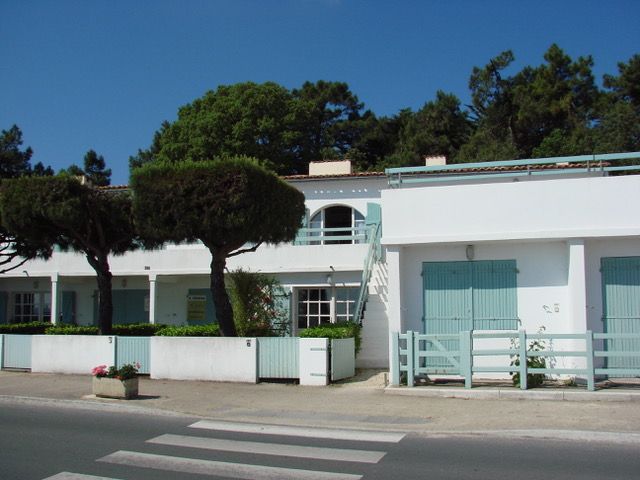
(210, 467)
(251, 471)
(297, 451)
(328, 433)
(76, 476)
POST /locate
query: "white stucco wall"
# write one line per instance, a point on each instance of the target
(215, 359)
(559, 208)
(73, 354)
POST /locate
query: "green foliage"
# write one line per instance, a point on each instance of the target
(242, 119)
(137, 329)
(533, 379)
(61, 211)
(125, 330)
(211, 330)
(335, 331)
(31, 328)
(94, 169)
(72, 330)
(254, 300)
(226, 203)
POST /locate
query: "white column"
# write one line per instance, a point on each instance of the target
(577, 294)
(394, 296)
(152, 297)
(54, 298)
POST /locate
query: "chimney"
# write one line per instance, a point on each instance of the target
(435, 160)
(330, 167)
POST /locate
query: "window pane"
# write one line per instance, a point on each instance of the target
(302, 321)
(314, 294)
(341, 308)
(313, 322)
(325, 309)
(325, 294)
(303, 295)
(313, 309)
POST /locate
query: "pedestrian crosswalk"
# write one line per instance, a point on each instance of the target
(286, 448)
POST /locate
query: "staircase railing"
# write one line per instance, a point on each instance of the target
(373, 255)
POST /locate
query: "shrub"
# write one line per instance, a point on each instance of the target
(31, 328)
(72, 330)
(335, 331)
(256, 300)
(137, 329)
(210, 330)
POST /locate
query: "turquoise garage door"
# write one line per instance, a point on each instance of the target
(621, 307)
(461, 296)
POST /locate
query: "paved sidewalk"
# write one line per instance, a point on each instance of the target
(362, 402)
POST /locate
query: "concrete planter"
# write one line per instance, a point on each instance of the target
(115, 388)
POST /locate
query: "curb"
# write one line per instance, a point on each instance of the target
(503, 394)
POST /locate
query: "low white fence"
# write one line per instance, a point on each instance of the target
(184, 358)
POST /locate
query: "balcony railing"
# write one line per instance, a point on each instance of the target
(333, 236)
(580, 164)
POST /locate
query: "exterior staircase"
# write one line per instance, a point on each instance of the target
(375, 325)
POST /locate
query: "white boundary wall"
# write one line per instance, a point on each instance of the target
(76, 354)
(200, 358)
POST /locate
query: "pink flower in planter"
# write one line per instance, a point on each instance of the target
(99, 371)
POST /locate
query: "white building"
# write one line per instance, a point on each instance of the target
(492, 246)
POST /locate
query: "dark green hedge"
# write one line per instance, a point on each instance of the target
(138, 329)
(211, 330)
(72, 330)
(335, 331)
(32, 328)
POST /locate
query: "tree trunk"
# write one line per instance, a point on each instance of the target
(224, 312)
(105, 298)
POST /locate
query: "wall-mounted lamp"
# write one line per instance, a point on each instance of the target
(330, 279)
(470, 252)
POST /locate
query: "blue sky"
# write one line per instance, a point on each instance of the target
(77, 75)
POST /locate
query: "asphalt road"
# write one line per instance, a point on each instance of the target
(42, 442)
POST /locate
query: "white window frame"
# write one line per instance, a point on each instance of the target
(332, 301)
(41, 303)
(318, 221)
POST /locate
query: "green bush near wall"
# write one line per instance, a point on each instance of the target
(31, 328)
(138, 329)
(335, 331)
(72, 330)
(211, 330)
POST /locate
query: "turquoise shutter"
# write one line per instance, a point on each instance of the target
(302, 234)
(129, 306)
(374, 214)
(282, 303)
(621, 306)
(447, 297)
(68, 313)
(494, 295)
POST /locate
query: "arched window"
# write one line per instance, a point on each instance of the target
(337, 221)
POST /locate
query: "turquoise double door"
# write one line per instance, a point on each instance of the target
(621, 307)
(464, 296)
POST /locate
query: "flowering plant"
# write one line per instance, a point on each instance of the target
(125, 372)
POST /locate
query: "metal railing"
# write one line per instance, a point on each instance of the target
(329, 236)
(373, 255)
(610, 162)
(411, 349)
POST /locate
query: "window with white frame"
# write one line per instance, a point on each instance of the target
(31, 307)
(341, 221)
(318, 306)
